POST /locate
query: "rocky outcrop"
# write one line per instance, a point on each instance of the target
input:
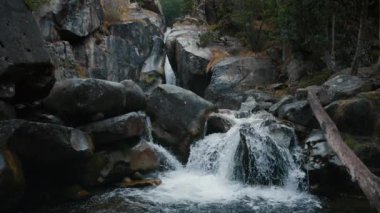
(234, 78)
(117, 129)
(12, 181)
(49, 143)
(23, 59)
(86, 99)
(64, 61)
(178, 117)
(120, 53)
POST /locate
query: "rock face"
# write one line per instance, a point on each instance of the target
(118, 129)
(84, 98)
(121, 53)
(63, 59)
(49, 143)
(81, 18)
(236, 76)
(178, 117)
(23, 60)
(12, 181)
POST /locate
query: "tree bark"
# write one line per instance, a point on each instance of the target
(359, 45)
(368, 182)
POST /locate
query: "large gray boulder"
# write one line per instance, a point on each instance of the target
(136, 99)
(117, 129)
(178, 117)
(23, 59)
(237, 76)
(49, 143)
(343, 86)
(77, 99)
(298, 112)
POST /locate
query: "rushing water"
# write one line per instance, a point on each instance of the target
(251, 168)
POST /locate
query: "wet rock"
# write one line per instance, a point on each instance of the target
(79, 18)
(7, 111)
(298, 112)
(277, 106)
(12, 181)
(135, 96)
(144, 158)
(355, 116)
(218, 123)
(7, 89)
(128, 183)
(43, 117)
(49, 143)
(75, 192)
(63, 59)
(23, 59)
(117, 129)
(78, 100)
(178, 117)
(238, 76)
(121, 53)
(343, 86)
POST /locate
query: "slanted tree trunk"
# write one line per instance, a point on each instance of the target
(359, 45)
(368, 182)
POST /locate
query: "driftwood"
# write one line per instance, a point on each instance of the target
(368, 182)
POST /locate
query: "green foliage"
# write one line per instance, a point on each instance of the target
(176, 8)
(208, 37)
(36, 4)
(317, 78)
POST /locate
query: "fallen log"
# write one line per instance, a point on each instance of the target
(368, 182)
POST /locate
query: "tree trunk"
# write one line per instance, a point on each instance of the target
(359, 45)
(368, 182)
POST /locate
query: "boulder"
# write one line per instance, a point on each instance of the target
(298, 68)
(355, 116)
(23, 59)
(121, 53)
(236, 77)
(277, 106)
(191, 61)
(152, 5)
(117, 129)
(218, 123)
(369, 154)
(129, 183)
(79, 18)
(7, 111)
(144, 158)
(64, 61)
(298, 112)
(178, 117)
(79, 100)
(343, 86)
(135, 96)
(49, 143)
(12, 181)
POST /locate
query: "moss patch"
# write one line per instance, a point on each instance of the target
(317, 78)
(36, 4)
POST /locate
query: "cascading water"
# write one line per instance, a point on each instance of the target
(251, 168)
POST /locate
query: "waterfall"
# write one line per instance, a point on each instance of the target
(253, 167)
(169, 73)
